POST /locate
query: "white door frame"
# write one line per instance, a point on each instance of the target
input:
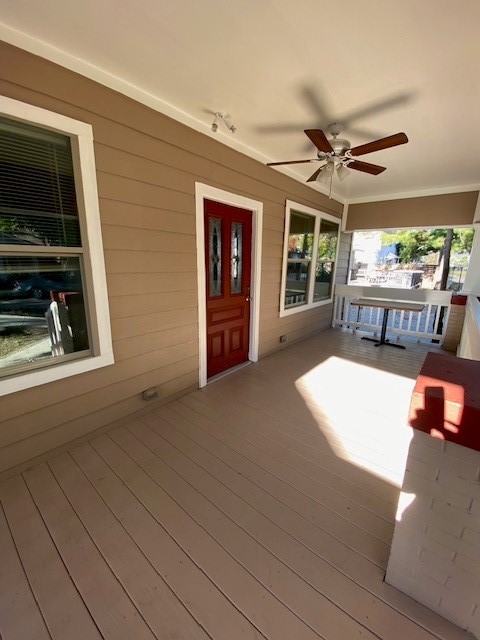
(202, 192)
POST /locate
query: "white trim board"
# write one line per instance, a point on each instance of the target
(202, 192)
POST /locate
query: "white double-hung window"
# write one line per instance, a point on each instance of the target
(54, 319)
(309, 258)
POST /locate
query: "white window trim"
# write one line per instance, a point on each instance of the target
(318, 215)
(95, 286)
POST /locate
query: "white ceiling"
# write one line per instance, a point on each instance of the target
(278, 67)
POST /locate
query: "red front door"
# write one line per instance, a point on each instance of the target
(228, 242)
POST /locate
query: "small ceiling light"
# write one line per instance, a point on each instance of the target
(220, 116)
(329, 168)
(326, 175)
(342, 171)
(323, 176)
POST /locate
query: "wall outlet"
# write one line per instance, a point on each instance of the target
(283, 339)
(150, 394)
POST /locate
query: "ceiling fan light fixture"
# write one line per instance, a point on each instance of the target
(342, 172)
(323, 177)
(329, 168)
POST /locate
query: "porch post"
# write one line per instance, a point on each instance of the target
(472, 279)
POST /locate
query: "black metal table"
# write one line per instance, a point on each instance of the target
(386, 305)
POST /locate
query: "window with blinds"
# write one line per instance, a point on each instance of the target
(42, 310)
(38, 203)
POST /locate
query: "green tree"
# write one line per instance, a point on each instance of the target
(413, 244)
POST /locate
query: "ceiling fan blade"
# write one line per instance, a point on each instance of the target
(319, 139)
(276, 164)
(366, 167)
(313, 177)
(377, 145)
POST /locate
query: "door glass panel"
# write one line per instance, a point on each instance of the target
(327, 250)
(236, 269)
(215, 256)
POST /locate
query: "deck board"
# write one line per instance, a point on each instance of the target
(20, 616)
(198, 526)
(231, 521)
(305, 452)
(206, 602)
(361, 541)
(260, 522)
(332, 489)
(94, 579)
(323, 498)
(63, 609)
(160, 608)
(260, 507)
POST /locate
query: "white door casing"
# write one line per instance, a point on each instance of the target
(202, 192)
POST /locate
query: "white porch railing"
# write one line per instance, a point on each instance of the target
(425, 326)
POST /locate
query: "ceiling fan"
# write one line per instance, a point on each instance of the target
(336, 154)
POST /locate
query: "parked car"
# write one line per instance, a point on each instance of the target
(7, 285)
(40, 286)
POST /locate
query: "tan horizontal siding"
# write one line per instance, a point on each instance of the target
(124, 380)
(131, 347)
(128, 327)
(131, 215)
(28, 402)
(124, 163)
(133, 306)
(124, 284)
(295, 328)
(150, 195)
(39, 446)
(118, 260)
(147, 165)
(299, 320)
(42, 441)
(134, 239)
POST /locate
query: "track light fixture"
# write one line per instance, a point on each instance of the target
(221, 116)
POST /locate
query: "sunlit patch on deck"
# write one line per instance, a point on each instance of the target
(362, 412)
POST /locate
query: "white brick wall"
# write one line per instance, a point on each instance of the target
(453, 332)
(435, 554)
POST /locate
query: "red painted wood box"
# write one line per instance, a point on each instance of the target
(446, 400)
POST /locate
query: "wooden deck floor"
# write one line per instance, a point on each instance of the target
(259, 507)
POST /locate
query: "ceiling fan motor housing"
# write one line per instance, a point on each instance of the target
(339, 146)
